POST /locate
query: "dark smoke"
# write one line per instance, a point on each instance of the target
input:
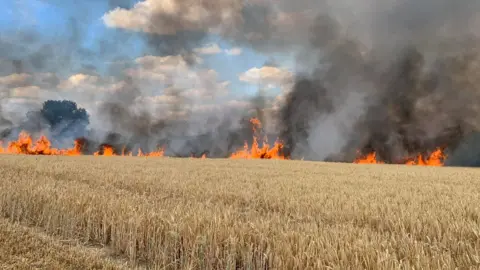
(417, 95)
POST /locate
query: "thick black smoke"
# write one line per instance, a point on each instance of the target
(417, 93)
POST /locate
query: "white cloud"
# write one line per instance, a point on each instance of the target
(267, 76)
(79, 81)
(164, 99)
(172, 16)
(29, 92)
(23, 86)
(212, 48)
(258, 22)
(173, 72)
(166, 64)
(179, 87)
(234, 51)
(15, 79)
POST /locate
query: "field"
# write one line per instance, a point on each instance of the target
(166, 213)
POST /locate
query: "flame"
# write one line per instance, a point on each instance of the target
(436, 158)
(257, 152)
(25, 145)
(368, 159)
(108, 150)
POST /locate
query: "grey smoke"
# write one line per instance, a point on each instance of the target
(417, 72)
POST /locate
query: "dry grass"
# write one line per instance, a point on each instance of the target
(27, 248)
(255, 214)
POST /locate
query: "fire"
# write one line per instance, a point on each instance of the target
(108, 150)
(43, 146)
(257, 151)
(436, 158)
(369, 159)
(25, 145)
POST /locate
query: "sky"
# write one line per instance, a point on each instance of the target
(91, 55)
(240, 68)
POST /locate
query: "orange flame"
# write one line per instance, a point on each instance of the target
(108, 150)
(436, 158)
(368, 159)
(25, 145)
(257, 152)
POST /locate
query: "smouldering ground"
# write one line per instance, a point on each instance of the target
(168, 213)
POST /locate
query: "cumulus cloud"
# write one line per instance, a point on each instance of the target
(23, 86)
(28, 92)
(168, 17)
(234, 51)
(79, 80)
(173, 72)
(268, 76)
(212, 48)
(15, 80)
(263, 24)
(153, 81)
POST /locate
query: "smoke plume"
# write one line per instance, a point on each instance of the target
(414, 84)
(397, 77)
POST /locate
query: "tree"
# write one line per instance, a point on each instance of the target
(64, 118)
(57, 112)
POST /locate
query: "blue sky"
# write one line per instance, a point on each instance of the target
(52, 19)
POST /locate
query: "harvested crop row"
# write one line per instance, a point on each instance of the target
(189, 213)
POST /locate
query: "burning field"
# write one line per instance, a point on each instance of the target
(398, 85)
(232, 134)
(25, 145)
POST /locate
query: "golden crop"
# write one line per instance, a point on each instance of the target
(169, 213)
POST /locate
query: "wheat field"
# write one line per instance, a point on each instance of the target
(167, 213)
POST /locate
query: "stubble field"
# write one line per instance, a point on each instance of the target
(165, 213)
